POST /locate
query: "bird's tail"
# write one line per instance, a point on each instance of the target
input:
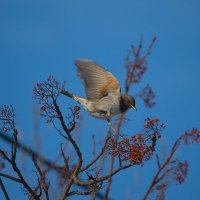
(76, 98)
(66, 93)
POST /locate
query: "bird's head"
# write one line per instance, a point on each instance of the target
(129, 101)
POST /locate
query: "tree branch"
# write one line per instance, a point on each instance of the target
(4, 190)
(11, 177)
(97, 157)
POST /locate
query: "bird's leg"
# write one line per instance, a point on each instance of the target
(108, 118)
(111, 129)
(110, 123)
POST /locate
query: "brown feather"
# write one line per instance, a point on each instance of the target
(98, 81)
(110, 86)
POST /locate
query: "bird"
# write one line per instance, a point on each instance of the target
(104, 99)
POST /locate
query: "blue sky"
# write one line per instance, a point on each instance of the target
(41, 38)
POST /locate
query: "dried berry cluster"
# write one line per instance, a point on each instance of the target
(191, 137)
(47, 94)
(140, 147)
(7, 118)
(148, 96)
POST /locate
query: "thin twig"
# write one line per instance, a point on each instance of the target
(39, 157)
(158, 161)
(167, 162)
(78, 182)
(11, 177)
(119, 124)
(66, 160)
(82, 193)
(97, 157)
(77, 150)
(44, 185)
(4, 190)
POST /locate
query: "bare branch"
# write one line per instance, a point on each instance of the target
(44, 184)
(158, 161)
(4, 190)
(11, 177)
(39, 157)
(66, 163)
(7, 115)
(136, 68)
(164, 170)
(98, 156)
(103, 178)
(82, 193)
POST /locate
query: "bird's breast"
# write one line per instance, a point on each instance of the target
(105, 107)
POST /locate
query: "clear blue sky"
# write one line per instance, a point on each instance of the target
(40, 38)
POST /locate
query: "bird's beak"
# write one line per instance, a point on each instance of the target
(133, 107)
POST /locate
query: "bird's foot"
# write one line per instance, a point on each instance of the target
(111, 126)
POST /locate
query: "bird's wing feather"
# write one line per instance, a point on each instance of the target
(98, 81)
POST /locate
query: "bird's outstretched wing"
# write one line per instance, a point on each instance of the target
(98, 81)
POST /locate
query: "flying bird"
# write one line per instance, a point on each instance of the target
(104, 99)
